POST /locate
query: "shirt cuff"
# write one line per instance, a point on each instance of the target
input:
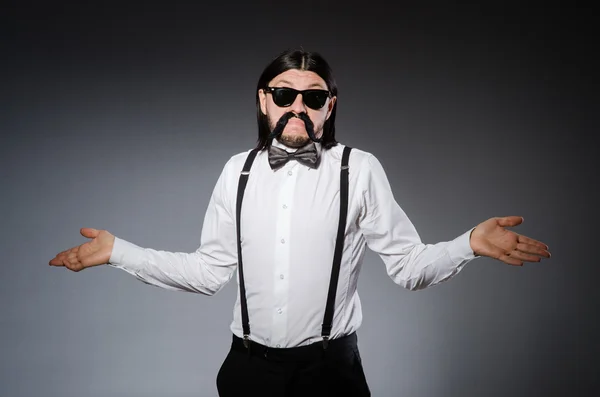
(460, 249)
(124, 253)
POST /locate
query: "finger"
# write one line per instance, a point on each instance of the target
(528, 240)
(89, 232)
(62, 255)
(56, 262)
(498, 253)
(509, 259)
(58, 259)
(533, 249)
(510, 221)
(72, 257)
(68, 252)
(522, 256)
(66, 263)
(73, 266)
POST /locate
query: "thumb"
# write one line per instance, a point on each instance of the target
(509, 221)
(89, 232)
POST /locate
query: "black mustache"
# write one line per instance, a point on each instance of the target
(282, 122)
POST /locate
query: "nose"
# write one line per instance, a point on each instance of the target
(298, 105)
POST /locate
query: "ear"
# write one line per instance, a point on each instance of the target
(262, 100)
(330, 107)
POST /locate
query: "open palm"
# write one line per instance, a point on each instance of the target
(92, 253)
(492, 239)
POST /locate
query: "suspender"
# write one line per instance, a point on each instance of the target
(337, 256)
(337, 253)
(238, 211)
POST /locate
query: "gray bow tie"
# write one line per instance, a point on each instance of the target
(306, 155)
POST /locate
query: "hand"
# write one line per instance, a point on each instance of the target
(93, 253)
(490, 238)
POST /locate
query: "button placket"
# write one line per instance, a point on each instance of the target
(282, 257)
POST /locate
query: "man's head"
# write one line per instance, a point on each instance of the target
(296, 101)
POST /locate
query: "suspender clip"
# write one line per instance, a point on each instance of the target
(325, 342)
(246, 341)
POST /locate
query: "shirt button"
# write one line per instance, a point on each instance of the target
(278, 345)
(284, 206)
(290, 173)
(281, 276)
(279, 311)
(282, 241)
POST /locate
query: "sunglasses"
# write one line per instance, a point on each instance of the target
(284, 97)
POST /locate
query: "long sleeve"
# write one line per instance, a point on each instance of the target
(390, 233)
(204, 271)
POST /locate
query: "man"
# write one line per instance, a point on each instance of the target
(295, 215)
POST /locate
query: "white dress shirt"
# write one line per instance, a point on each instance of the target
(288, 231)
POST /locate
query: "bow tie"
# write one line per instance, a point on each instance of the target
(306, 155)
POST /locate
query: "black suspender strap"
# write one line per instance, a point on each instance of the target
(238, 211)
(339, 245)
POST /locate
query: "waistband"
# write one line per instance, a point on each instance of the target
(301, 353)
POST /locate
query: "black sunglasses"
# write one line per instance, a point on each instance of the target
(284, 96)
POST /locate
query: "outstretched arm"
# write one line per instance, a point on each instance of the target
(204, 271)
(414, 265)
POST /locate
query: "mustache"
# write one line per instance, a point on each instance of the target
(283, 120)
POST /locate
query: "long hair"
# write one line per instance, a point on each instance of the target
(301, 60)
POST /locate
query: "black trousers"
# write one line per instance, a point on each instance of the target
(299, 371)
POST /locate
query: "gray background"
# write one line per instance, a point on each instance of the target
(122, 117)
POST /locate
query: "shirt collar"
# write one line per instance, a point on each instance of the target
(276, 143)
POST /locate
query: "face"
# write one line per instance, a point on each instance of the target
(294, 134)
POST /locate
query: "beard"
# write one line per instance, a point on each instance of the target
(294, 141)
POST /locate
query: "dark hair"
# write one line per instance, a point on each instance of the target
(301, 60)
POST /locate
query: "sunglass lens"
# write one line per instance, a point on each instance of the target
(284, 96)
(315, 99)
